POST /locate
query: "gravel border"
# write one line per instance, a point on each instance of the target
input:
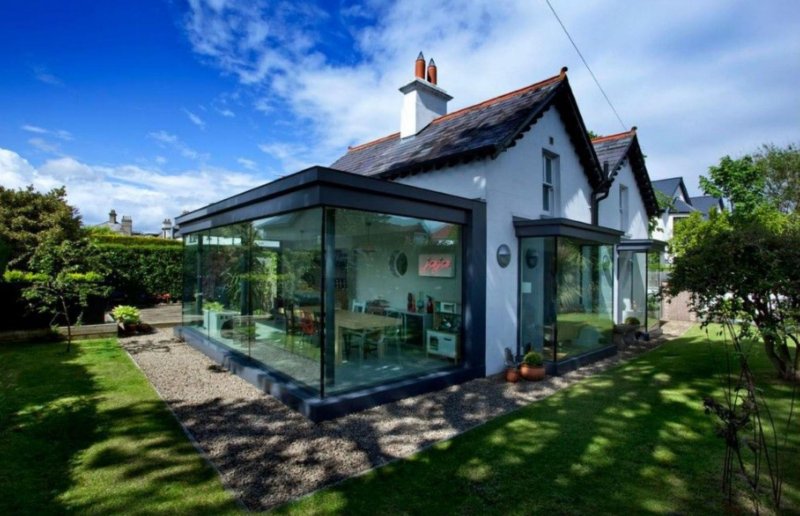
(268, 454)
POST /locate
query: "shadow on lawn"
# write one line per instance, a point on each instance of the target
(47, 415)
(72, 438)
(632, 439)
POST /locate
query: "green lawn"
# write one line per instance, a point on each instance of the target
(632, 440)
(85, 432)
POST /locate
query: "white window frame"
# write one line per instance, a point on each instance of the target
(550, 188)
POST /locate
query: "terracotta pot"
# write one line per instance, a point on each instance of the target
(531, 373)
(512, 375)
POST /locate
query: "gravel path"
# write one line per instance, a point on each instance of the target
(268, 454)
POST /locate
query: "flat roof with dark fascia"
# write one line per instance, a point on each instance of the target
(323, 176)
(566, 228)
(642, 245)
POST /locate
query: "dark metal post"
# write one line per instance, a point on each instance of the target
(328, 343)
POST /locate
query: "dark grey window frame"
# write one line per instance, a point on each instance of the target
(575, 230)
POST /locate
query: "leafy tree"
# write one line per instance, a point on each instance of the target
(781, 170)
(29, 218)
(66, 275)
(738, 180)
(743, 264)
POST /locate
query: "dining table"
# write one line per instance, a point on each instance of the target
(360, 322)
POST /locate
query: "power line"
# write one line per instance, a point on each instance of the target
(625, 127)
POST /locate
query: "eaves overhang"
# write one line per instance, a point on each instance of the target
(562, 227)
(642, 245)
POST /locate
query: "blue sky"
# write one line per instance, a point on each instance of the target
(153, 107)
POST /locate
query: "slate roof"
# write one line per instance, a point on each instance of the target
(668, 186)
(613, 150)
(681, 207)
(704, 203)
(481, 130)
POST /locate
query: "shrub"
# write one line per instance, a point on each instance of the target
(126, 314)
(633, 321)
(214, 306)
(141, 274)
(533, 359)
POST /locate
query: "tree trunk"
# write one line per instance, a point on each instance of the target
(69, 324)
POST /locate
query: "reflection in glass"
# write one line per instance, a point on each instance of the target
(632, 280)
(392, 308)
(565, 297)
(397, 291)
(654, 279)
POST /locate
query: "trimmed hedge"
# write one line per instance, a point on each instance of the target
(147, 241)
(142, 274)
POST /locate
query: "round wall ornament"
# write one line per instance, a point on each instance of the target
(398, 263)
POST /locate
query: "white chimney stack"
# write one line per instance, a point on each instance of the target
(423, 100)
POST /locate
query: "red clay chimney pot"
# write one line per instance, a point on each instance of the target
(419, 67)
(431, 72)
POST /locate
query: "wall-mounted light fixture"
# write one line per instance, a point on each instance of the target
(503, 256)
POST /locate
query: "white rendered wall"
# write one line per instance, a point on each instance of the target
(636, 225)
(511, 184)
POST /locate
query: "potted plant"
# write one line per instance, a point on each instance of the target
(532, 367)
(127, 318)
(626, 332)
(512, 368)
(215, 316)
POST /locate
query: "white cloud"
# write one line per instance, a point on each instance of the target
(34, 129)
(249, 164)
(196, 120)
(226, 112)
(58, 133)
(709, 70)
(15, 171)
(293, 157)
(148, 196)
(166, 139)
(160, 160)
(45, 146)
(42, 74)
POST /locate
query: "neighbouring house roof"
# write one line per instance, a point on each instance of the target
(704, 203)
(482, 130)
(670, 186)
(614, 150)
(681, 207)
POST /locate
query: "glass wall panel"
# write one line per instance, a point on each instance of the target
(224, 260)
(632, 286)
(192, 281)
(397, 295)
(255, 287)
(654, 280)
(537, 295)
(584, 279)
(566, 296)
(285, 283)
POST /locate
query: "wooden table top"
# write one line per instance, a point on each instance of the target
(364, 321)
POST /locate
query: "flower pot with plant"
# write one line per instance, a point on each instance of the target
(512, 367)
(127, 318)
(532, 367)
